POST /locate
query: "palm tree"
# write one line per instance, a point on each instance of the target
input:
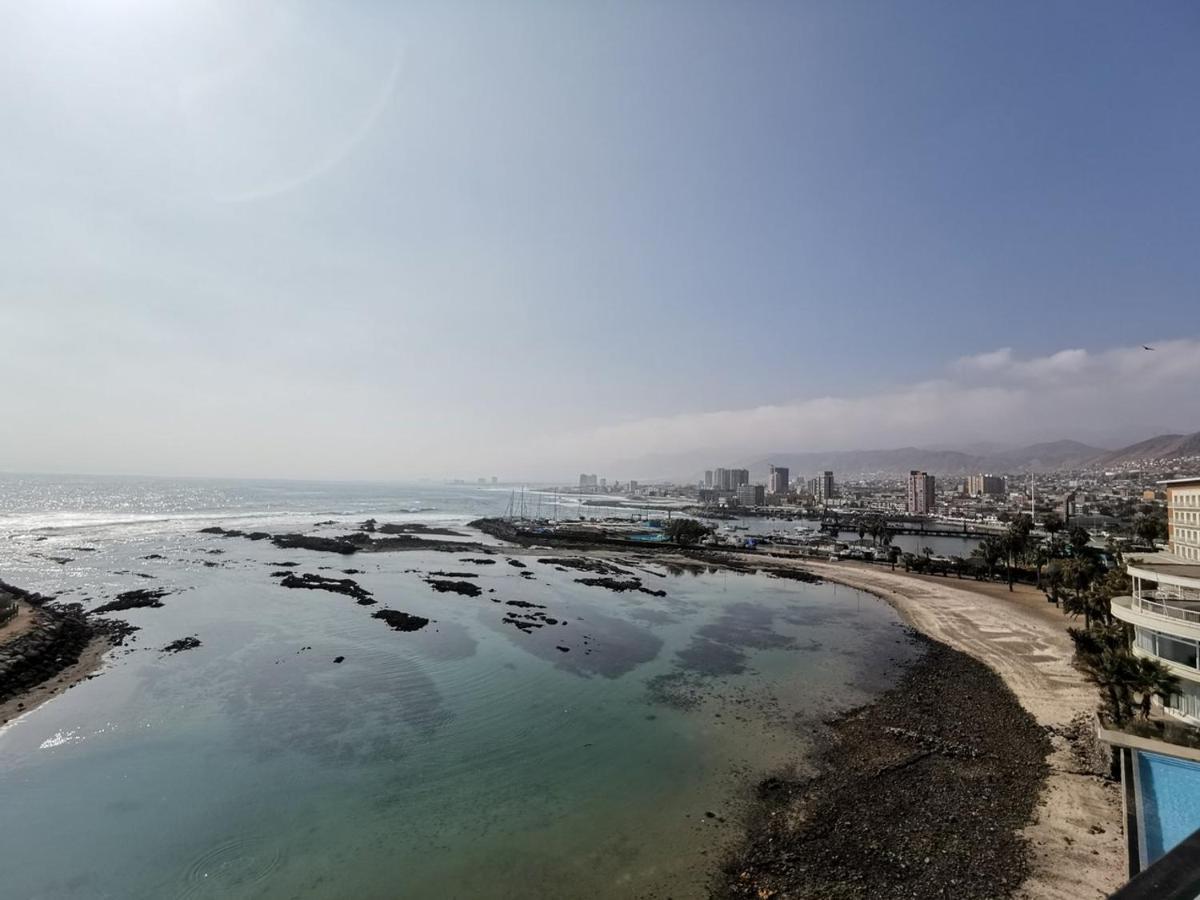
(989, 552)
(1053, 524)
(1015, 543)
(1101, 653)
(1152, 679)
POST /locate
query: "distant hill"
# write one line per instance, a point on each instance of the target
(1163, 448)
(1049, 455)
(1036, 457)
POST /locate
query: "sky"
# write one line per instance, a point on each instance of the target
(377, 240)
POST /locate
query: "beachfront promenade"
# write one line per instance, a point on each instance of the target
(1076, 840)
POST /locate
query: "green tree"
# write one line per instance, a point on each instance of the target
(1015, 543)
(1102, 654)
(1053, 523)
(1150, 679)
(1078, 538)
(989, 552)
(686, 532)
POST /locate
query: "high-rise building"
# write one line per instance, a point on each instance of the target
(708, 481)
(751, 495)
(588, 482)
(991, 485)
(825, 483)
(920, 493)
(730, 479)
(777, 480)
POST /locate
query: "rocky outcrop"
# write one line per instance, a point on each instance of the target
(443, 585)
(139, 599)
(346, 544)
(346, 586)
(55, 642)
(401, 621)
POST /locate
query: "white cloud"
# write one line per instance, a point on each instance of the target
(1072, 393)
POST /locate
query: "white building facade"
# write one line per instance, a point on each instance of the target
(1164, 607)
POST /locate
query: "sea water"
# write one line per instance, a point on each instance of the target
(467, 759)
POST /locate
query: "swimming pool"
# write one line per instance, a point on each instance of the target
(1168, 791)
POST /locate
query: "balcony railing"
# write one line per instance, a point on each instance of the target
(1168, 606)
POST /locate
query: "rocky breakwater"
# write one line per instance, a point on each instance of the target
(55, 639)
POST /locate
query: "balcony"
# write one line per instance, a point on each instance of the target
(1167, 605)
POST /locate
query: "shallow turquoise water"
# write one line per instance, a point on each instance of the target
(465, 760)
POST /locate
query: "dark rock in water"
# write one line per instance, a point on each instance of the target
(795, 575)
(339, 659)
(187, 643)
(323, 544)
(352, 571)
(282, 573)
(466, 588)
(478, 561)
(401, 621)
(257, 535)
(368, 525)
(326, 522)
(209, 564)
(613, 584)
(345, 586)
(455, 574)
(154, 556)
(285, 565)
(653, 593)
(563, 649)
(140, 599)
(524, 604)
(418, 528)
(212, 529)
(516, 564)
(585, 564)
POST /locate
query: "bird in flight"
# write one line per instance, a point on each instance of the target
(1144, 347)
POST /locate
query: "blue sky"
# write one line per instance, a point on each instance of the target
(443, 238)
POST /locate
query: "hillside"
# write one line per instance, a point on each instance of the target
(1164, 447)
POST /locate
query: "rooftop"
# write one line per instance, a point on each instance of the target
(1170, 566)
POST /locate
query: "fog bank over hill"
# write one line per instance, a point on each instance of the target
(1047, 456)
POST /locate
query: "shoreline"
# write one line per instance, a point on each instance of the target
(1075, 839)
(47, 649)
(920, 793)
(91, 660)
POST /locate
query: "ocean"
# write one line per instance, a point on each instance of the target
(609, 754)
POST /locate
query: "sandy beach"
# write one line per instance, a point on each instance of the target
(1075, 839)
